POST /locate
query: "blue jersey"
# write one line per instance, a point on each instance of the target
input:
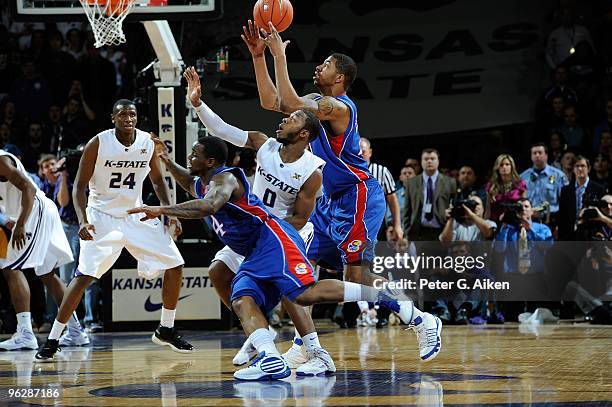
(238, 224)
(344, 165)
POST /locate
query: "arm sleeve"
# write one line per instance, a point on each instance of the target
(217, 127)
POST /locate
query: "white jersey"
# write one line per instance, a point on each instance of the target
(277, 183)
(10, 195)
(116, 183)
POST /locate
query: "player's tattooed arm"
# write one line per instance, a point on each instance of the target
(305, 201)
(222, 187)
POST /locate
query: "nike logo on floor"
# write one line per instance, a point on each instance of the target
(150, 307)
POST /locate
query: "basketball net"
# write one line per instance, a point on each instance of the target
(106, 19)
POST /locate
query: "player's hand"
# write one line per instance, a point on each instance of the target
(252, 40)
(194, 88)
(273, 41)
(19, 236)
(85, 232)
(161, 149)
(173, 226)
(150, 212)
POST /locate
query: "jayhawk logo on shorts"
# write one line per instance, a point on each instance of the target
(301, 268)
(354, 246)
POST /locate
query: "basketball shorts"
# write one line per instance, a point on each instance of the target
(346, 226)
(46, 244)
(149, 243)
(233, 260)
(276, 267)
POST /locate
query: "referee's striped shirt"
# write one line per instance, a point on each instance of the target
(384, 177)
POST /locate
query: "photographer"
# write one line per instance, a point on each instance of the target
(596, 221)
(574, 197)
(518, 218)
(67, 169)
(465, 222)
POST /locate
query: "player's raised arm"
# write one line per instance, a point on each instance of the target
(214, 124)
(221, 191)
(81, 182)
(326, 107)
(28, 190)
(305, 200)
(268, 94)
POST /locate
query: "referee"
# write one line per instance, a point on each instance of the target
(385, 179)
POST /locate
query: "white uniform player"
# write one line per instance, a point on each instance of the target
(114, 166)
(277, 184)
(115, 187)
(45, 248)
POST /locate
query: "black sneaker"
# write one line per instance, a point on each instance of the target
(170, 337)
(47, 352)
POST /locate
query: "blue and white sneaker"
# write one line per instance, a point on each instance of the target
(428, 329)
(296, 355)
(264, 367)
(320, 363)
(74, 337)
(21, 340)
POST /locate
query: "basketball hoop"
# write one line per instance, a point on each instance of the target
(106, 19)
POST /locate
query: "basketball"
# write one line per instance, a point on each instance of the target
(279, 12)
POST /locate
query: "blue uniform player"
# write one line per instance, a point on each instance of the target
(275, 263)
(349, 214)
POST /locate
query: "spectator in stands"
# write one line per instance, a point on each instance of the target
(30, 93)
(472, 227)
(74, 46)
(47, 168)
(601, 171)
(33, 147)
(560, 87)
(77, 121)
(562, 41)
(62, 195)
(22, 32)
(575, 135)
(505, 187)
(98, 83)
(5, 135)
(567, 164)
(575, 195)
(385, 179)
(38, 45)
(414, 163)
(544, 184)
(605, 125)
(427, 199)
(53, 130)
(553, 114)
(605, 143)
(10, 120)
(466, 181)
(556, 146)
(405, 174)
(118, 58)
(8, 62)
(58, 67)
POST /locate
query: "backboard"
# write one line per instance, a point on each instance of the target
(144, 10)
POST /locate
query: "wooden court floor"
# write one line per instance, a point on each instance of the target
(495, 365)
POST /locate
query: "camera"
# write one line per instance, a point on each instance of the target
(458, 211)
(73, 157)
(512, 213)
(591, 213)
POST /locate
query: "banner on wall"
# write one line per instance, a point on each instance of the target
(167, 132)
(444, 67)
(138, 299)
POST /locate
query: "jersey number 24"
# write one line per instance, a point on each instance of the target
(116, 182)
